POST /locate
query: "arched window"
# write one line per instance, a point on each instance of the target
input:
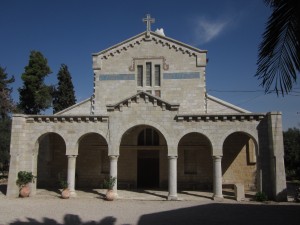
(148, 137)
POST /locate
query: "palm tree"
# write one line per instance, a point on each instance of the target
(279, 53)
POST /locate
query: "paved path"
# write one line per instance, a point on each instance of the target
(92, 210)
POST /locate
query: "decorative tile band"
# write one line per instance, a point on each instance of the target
(184, 75)
(117, 77)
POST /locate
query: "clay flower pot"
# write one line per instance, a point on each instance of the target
(110, 195)
(25, 191)
(65, 194)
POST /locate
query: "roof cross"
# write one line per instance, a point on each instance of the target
(148, 20)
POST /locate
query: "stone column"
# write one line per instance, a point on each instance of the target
(172, 178)
(217, 177)
(113, 170)
(71, 174)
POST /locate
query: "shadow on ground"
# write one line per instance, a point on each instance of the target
(226, 214)
(69, 219)
(3, 188)
(216, 213)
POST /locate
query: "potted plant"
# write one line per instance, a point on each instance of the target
(24, 178)
(109, 184)
(65, 192)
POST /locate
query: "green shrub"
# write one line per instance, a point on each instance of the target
(109, 183)
(24, 178)
(63, 184)
(260, 197)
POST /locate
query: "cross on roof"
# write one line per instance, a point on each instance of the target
(148, 20)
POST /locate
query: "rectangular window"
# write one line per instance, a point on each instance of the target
(149, 91)
(148, 74)
(157, 75)
(140, 76)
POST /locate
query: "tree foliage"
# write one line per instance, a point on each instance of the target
(63, 95)
(292, 152)
(279, 52)
(35, 95)
(6, 107)
(5, 131)
(6, 102)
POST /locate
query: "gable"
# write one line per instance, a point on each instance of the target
(81, 108)
(145, 39)
(145, 97)
(177, 72)
(216, 105)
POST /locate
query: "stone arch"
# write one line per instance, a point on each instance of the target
(239, 161)
(195, 161)
(249, 132)
(92, 162)
(51, 161)
(143, 163)
(195, 130)
(169, 139)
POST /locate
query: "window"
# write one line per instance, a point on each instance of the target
(139, 75)
(157, 75)
(148, 137)
(148, 74)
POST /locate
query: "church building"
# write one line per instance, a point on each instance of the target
(151, 124)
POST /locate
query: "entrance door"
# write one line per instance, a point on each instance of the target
(148, 169)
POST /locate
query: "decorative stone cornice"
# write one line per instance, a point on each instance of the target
(146, 37)
(220, 117)
(147, 97)
(65, 118)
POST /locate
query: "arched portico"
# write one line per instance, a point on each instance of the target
(92, 162)
(194, 162)
(51, 161)
(143, 158)
(239, 162)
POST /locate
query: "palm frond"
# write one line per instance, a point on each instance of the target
(278, 62)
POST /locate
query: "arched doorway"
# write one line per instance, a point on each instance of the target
(52, 162)
(194, 162)
(143, 159)
(92, 163)
(239, 160)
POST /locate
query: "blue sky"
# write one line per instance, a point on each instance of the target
(70, 31)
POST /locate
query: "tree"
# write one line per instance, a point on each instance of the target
(6, 107)
(279, 52)
(291, 139)
(64, 95)
(5, 132)
(6, 102)
(35, 95)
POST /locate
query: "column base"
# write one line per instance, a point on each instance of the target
(218, 198)
(73, 194)
(172, 197)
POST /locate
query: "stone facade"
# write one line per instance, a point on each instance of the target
(151, 124)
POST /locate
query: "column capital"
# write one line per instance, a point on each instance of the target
(217, 157)
(113, 157)
(71, 156)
